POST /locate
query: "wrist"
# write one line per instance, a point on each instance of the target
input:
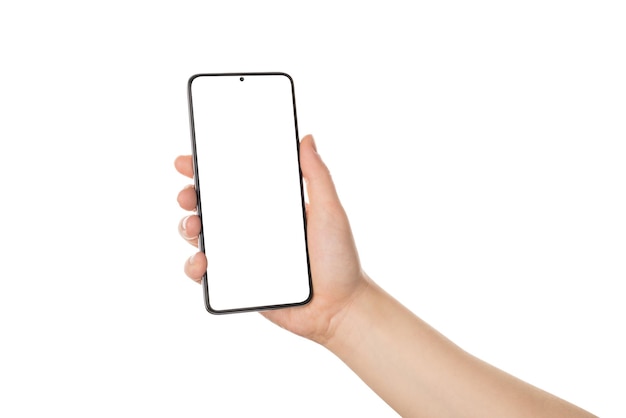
(347, 326)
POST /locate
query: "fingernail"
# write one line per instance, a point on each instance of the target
(184, 225)
(192, 259)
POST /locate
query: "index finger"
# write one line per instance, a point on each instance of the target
(184, 165)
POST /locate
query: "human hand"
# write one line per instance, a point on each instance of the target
(335, 267)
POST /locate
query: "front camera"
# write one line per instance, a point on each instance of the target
(240, 78)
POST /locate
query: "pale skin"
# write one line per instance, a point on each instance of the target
(410, 365)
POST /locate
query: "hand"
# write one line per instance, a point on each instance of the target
(335, 268)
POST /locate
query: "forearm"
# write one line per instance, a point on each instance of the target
(419, 372)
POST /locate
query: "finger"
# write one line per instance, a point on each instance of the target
(189, 229)
(320, 186)
(187, 198)
(195, 267)
(184, 165)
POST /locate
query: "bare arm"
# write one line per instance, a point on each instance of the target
(419, 372)
(416, 370)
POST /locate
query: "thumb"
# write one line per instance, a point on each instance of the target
(320, 186)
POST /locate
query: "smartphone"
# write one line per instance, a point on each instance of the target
(244, 135)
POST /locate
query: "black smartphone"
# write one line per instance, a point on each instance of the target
(244, 135)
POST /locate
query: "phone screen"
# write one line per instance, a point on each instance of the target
(250, 193)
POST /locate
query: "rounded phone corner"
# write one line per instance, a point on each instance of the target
(193, 77)
(207, 302)
(286, 75)
(309, 297)
(210, 310)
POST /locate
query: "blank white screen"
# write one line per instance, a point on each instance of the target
(250, 190)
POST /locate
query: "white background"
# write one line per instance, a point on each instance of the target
(478, 148)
